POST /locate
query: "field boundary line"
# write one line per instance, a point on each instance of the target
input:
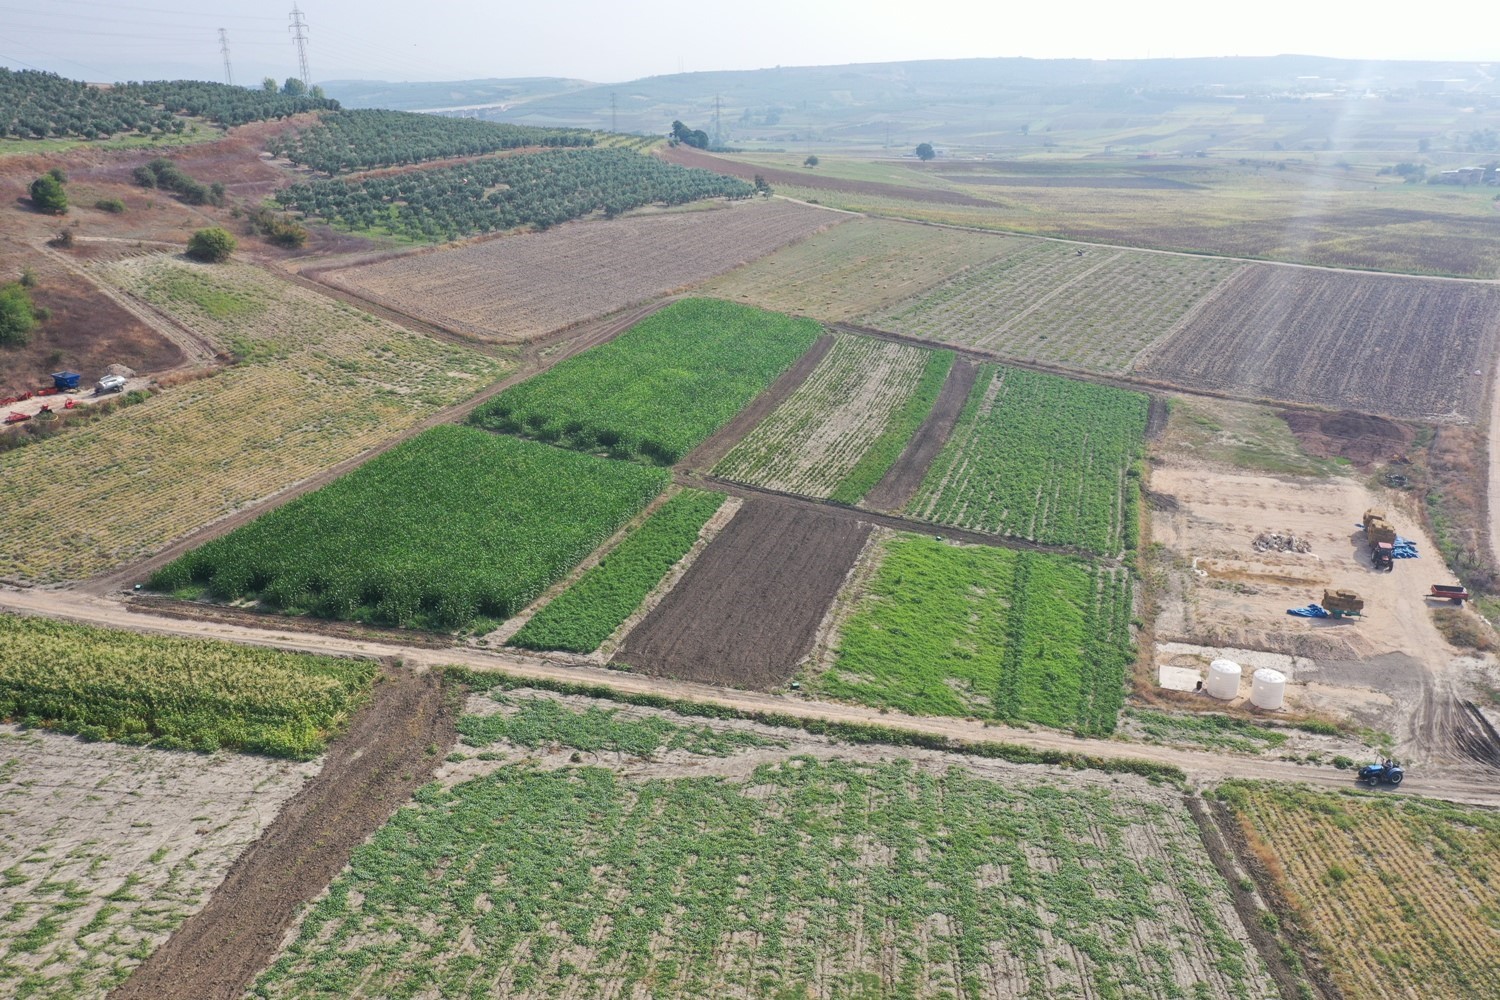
(1165, 337)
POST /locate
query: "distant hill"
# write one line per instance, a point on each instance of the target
(450, 94)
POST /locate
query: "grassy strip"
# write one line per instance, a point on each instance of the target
(877, 461)
(847, 732)
(658, 389)
(580, 619)
(174, 693)
(1221, 731)
(541, 722)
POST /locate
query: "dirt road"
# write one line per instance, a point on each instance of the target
(1452, 782)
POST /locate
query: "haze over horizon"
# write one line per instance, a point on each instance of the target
(609, 42)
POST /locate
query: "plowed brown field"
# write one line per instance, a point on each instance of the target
(748, 609)
(1404, 347)
(516, 288)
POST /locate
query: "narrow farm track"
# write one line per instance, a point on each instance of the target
(904, 477)
(391, 749)
(1467, 784)
(537, 358)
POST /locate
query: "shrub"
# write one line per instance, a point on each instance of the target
(47, 195)
(211, 245)
(1462, 629)
(114, 206)
(17, 316)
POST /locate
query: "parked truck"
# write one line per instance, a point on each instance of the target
(109, 383)
(1381, 538)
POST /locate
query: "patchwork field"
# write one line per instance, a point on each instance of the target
(321, 383)
(453, 525)
(941, 629)
(520, 287)
(1398, 895)
(105, 849)
(818, 441)
(1404, 347)
(658, 389)
(1043, 458)
(858, 266)
(1094, 310)
(746, 611)
(704, 861)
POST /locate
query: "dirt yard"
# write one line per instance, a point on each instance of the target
(746, 611)
(106, 848)
(1218, 593)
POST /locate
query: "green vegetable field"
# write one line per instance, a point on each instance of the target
(659, 388)
(453, 525)
(584, 615)
(857, 398)
(987, 632)
(802, 876)
(174, 693)
(1041, 457)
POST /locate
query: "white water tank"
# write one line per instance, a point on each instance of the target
(1223, 679)
(1268, 689)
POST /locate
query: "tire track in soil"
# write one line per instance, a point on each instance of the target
(902, 479)
(749, 608)
(369, 773)
(710, 452)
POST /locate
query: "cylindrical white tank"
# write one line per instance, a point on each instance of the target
(1268, 689)
(1223, 679)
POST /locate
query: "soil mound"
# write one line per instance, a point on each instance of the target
(1360, 438)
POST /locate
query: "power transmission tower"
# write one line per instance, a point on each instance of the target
(298, 29)
(224, 48)
(612, 120)
(718, 132)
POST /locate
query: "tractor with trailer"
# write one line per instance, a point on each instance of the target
(1387, 772)
(1381, 538)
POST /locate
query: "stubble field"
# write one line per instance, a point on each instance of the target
(520, 287)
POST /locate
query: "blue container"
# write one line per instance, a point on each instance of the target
(65, 380)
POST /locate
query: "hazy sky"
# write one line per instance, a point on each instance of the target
(616, 40)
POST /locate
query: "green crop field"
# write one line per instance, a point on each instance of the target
(174, 693)
(988, 632)
(823, 431)
(587, 613)
(795, 876)
(453, 525)
(857, 267)
(1041, 457)
(658, 389)
(1094, 311)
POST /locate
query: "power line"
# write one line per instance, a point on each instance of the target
(224, 48)
(299, 34)
(162, 10)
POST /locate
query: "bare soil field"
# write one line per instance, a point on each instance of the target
(105, 849)
(1402, 347)
(900, 484)
(861, 266)
(520, 287)
(688, 157)
(1093, 309)
(390, 750)
(747, 610)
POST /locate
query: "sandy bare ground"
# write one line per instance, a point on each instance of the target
(113, 846)
(1454, 782)
(1381, 669)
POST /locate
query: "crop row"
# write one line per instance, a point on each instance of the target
(818, 436)
(659, 388)
(587, 613)
(904, 422)
(1096, 311)
(174, 693)
(450, 526)
(344, 141)
(982, 631)
(501, 193)
(1041, 457)
(807, 878)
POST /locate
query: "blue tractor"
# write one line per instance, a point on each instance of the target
(1387, 772)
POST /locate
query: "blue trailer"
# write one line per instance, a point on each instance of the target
(63, 381)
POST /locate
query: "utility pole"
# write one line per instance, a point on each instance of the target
(613, 122)
(224, 48)
(298, 29)
(718, 132)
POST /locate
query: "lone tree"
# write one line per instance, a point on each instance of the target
(811, 161)
(17, 316)
(48, 196)
(925, 152)
(697, 138)
(211, 245)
